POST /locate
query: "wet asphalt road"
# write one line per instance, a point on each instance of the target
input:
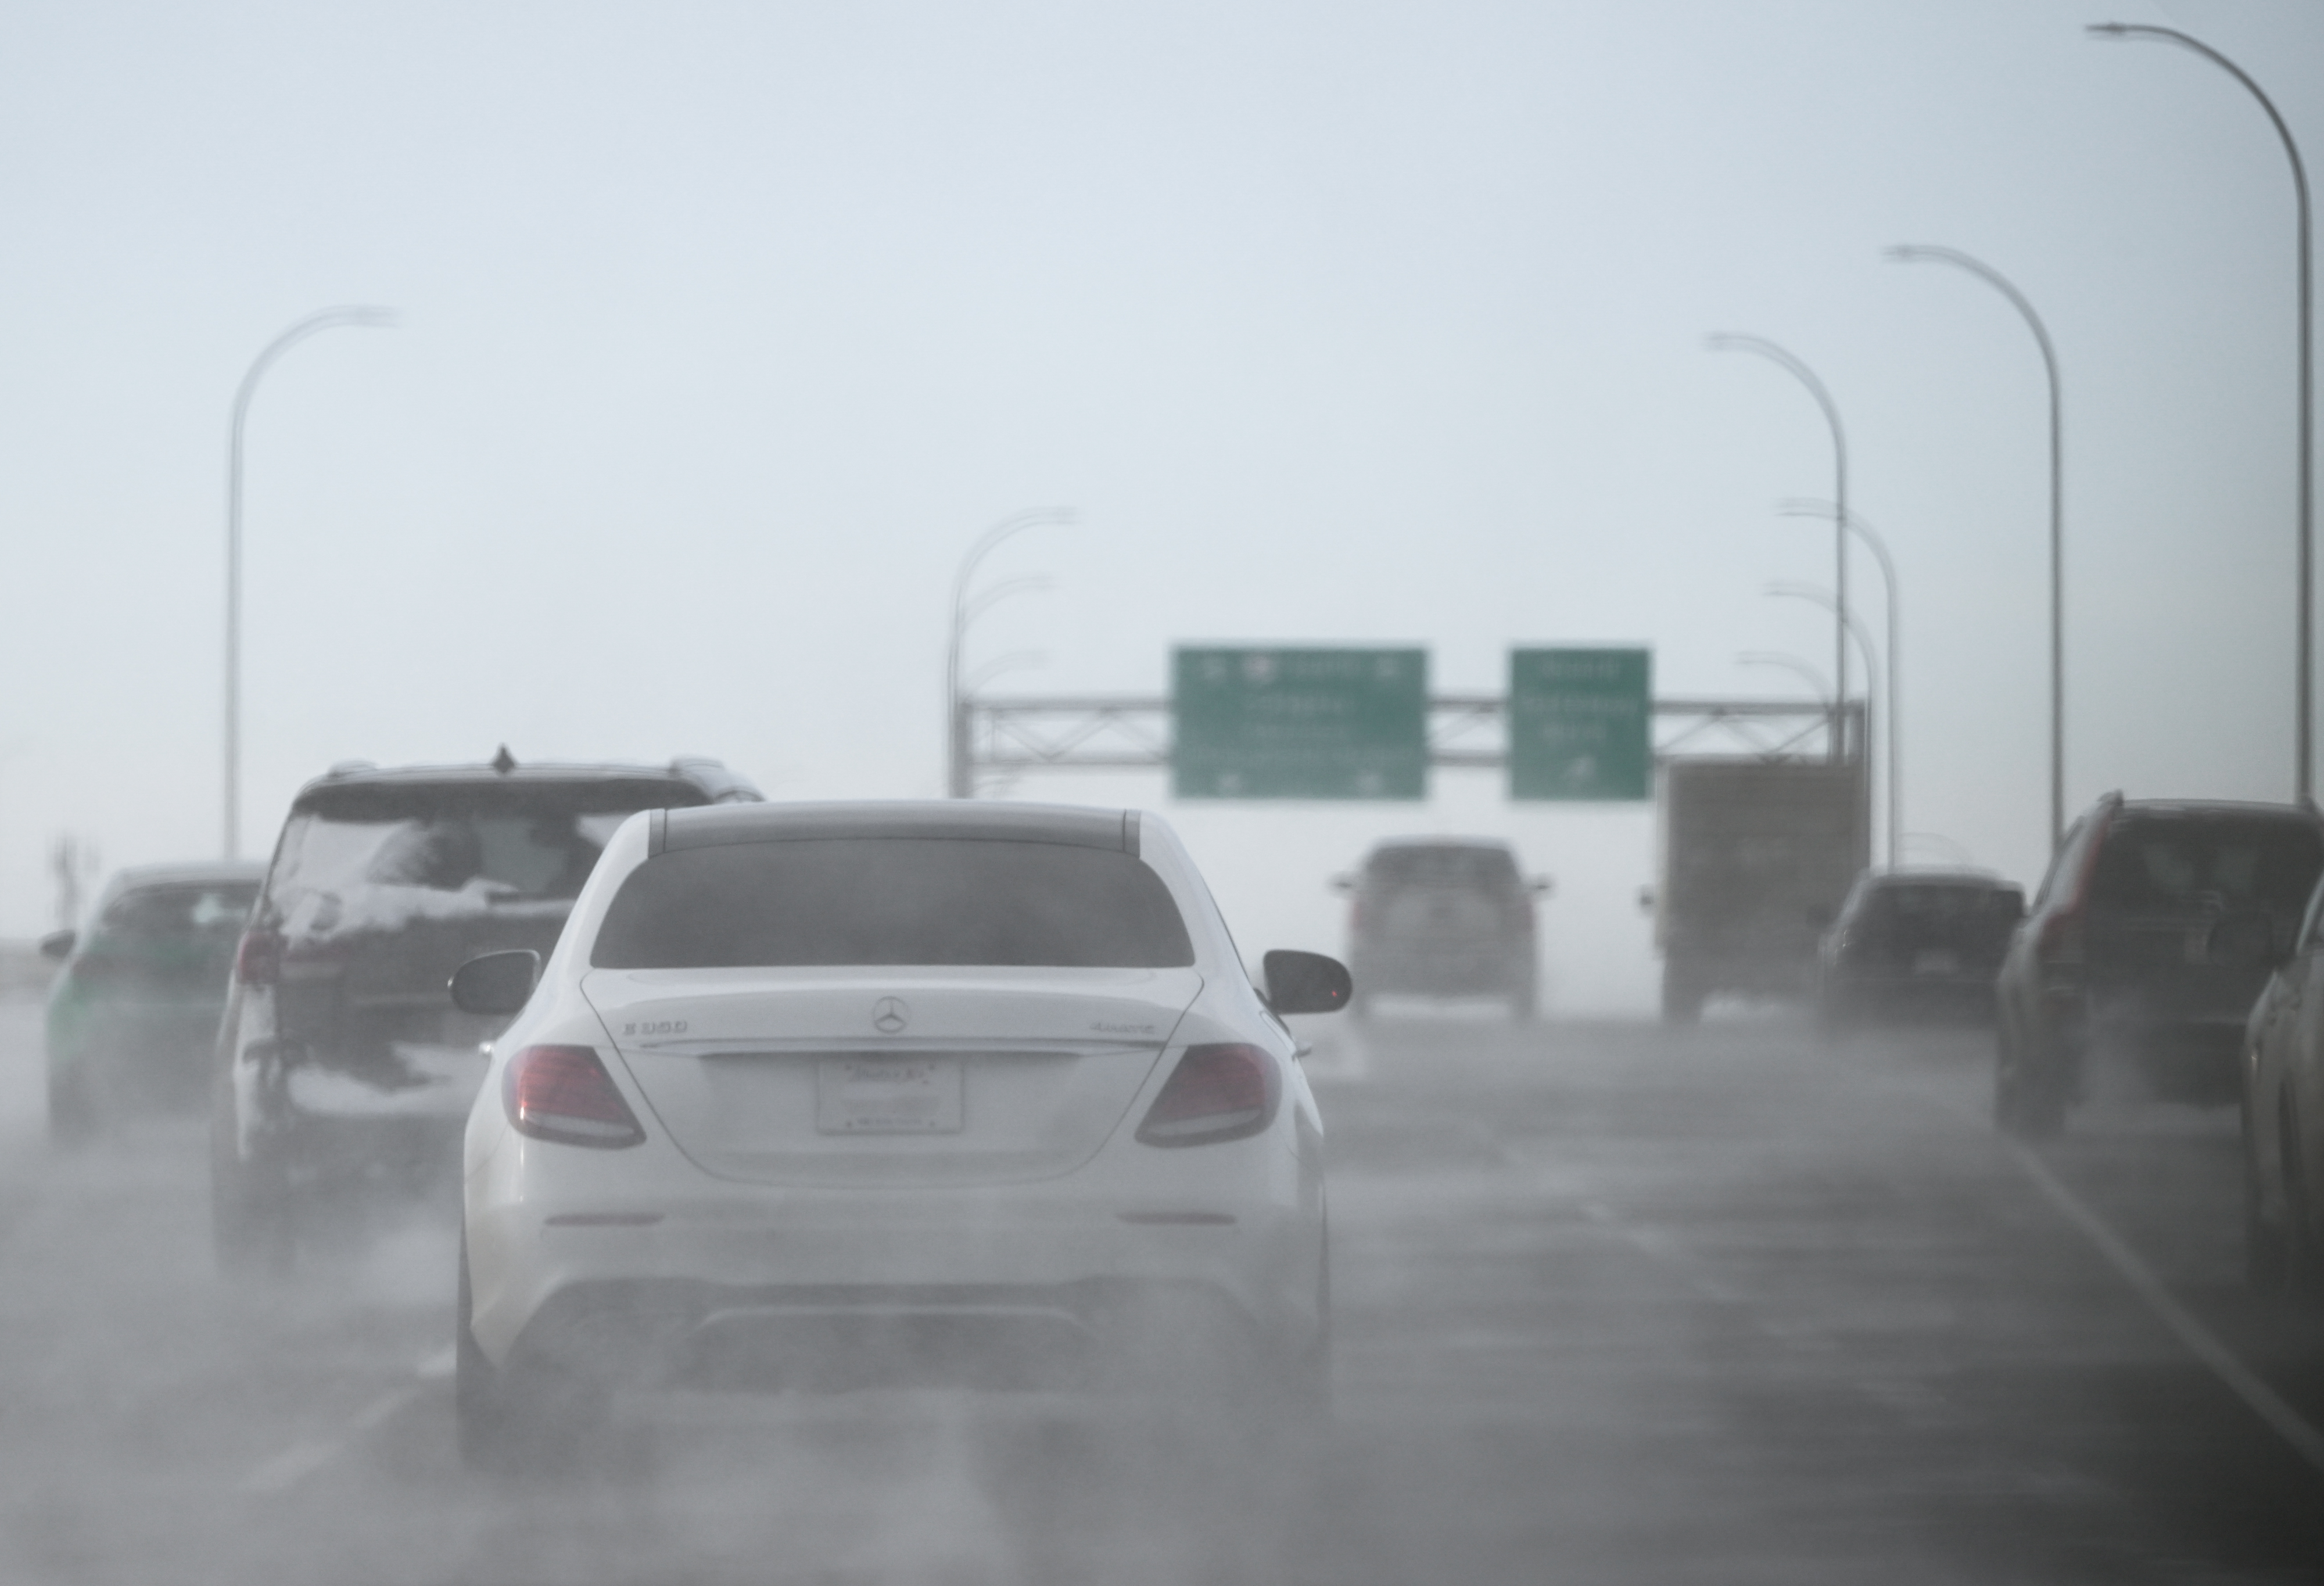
(1615, 1303)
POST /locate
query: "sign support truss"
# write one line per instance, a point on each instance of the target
(1007, 738)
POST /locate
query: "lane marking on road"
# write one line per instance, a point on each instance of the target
(2200, 1342)
(301, 1459)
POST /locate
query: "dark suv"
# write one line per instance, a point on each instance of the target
(1915, 944)
(1445, 917)
(342, 1063)
(2123, 959)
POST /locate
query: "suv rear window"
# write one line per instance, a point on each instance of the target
(1491, 869)
(1923, 900)
(2227, 861)
(893, 901)
(375, 857)
(159, 913)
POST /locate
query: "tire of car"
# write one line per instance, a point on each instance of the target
(251, 1227)
(1683, 994)
(2267, 1249)
(1310, 1382)
(516, 1420)
(2029, 1092)
(2302, 1260)
(72, 1115)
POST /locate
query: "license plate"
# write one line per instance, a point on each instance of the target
(888, 1095)
(1936, 961)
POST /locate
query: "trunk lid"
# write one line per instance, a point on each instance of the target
(883, 1076)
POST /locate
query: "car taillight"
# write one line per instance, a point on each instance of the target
(258, 958)
(1217, 1093)
(563, 1094)
(2061, 941)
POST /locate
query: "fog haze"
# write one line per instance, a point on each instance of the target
(725, 329)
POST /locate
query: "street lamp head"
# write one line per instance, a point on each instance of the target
(2109, 30)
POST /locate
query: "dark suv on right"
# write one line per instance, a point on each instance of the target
(344, 1074)
(2123, 960)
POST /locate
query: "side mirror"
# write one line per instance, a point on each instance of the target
(1343, 884)
(57, 945)
(1541, 886)
(497, 982)
(2245, 941)
(1305, 982)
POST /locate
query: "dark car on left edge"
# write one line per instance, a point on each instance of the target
(1916, 945)
(133, 1015)
(344, 1072)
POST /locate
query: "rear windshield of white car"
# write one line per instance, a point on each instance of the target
(893, 901)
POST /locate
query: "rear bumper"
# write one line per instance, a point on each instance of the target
(1483, 971)
(1090, 1333)
(2187, 1059)
(1965, 998)
(769, 1286)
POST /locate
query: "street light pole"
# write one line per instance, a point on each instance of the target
(1806, 376)
(1914, 253)
(1864, 531)
(958, 782)
(1854, 629)
(2303, 775)
(328, 318)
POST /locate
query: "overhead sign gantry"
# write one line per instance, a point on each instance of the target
(1279, 722)
(1297, 723)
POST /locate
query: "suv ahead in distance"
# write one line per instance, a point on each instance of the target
(1442, 917)
(1916, 944)
(2123, 957)
(342, 1066)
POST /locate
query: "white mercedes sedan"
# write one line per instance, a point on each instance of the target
(815, 1097)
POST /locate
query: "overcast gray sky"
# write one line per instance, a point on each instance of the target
(727, 327)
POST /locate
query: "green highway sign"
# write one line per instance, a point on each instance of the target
(1299, 723)
(1579, 725)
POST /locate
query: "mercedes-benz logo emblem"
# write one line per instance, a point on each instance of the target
(890, 1014)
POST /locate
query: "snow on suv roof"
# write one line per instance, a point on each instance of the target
(709, 778)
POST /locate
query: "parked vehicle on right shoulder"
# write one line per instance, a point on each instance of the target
(1916, 943)
(2131, 954)
(1443, 916)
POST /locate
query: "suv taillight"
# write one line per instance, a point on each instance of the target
(1216, 1093)
(563, 1094)
(258, 957)
(2061, 941)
